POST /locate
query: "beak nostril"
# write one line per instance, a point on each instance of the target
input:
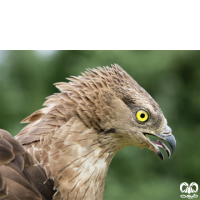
(166, 133)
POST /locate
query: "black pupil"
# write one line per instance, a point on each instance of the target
(142, 115)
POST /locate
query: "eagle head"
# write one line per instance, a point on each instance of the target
(122, 112)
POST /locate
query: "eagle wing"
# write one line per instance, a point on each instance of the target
(21, 176)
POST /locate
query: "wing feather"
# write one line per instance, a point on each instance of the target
(21, 176)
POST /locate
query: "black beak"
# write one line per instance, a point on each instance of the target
(160, 154)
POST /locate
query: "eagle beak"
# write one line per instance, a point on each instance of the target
(167, 136)
(172, 143)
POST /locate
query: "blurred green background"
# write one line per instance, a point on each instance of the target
(171, 77)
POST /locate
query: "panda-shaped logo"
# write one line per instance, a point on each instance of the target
(190, 189)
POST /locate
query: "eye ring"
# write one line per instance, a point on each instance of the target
(142, 115)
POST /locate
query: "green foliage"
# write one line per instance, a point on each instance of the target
(171, 77)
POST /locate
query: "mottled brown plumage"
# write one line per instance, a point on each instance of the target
(21, 177)
(76, 135)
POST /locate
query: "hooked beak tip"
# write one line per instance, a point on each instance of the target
(171, 141)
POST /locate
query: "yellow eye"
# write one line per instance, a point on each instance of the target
(142, 115)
